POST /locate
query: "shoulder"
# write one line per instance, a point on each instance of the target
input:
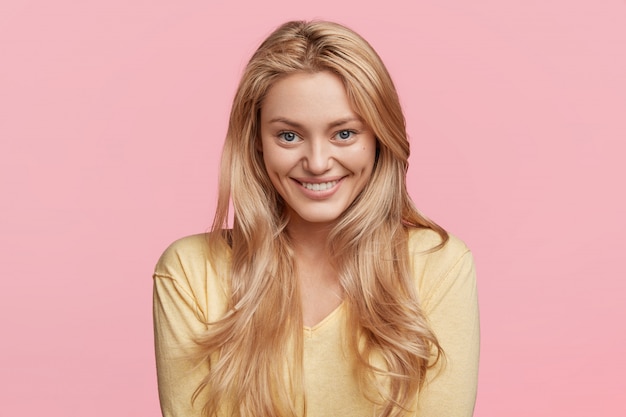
(189, 260)
(423, 244)
(434, 269)
(186, 251)
(188, 268)
(190, 252)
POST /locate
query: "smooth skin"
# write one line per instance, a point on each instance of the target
(319, 155)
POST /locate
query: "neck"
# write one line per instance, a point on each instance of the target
(309, 239)
(320, 290)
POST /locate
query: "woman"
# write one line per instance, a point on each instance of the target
(330, 295)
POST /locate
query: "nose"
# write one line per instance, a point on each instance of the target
(318, 156)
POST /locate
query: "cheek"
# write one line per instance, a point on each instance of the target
(365, 158)
(278, 166)
(273, 162)
(368, 160)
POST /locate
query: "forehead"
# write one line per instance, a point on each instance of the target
(303, 96)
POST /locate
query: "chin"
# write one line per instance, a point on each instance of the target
(315, 218)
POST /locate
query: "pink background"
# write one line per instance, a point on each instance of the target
(112, 115)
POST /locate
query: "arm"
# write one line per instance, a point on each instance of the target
(177, 320)
(452, 309)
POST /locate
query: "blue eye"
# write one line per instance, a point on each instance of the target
(288, 136)
(344, 134)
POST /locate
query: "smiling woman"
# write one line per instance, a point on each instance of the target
(330, 294)
(318, 153)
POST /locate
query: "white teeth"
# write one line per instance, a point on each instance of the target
(319, 186)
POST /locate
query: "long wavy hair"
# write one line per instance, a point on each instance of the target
(246, 349)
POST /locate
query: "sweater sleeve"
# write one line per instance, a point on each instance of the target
(178, 319)
(451, 306)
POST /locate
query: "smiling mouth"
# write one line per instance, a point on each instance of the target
(323, 186)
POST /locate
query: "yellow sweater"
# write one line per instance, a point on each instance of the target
(188, 294)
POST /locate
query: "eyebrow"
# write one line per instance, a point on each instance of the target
(330, 125)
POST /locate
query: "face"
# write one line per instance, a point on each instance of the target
(318, 153)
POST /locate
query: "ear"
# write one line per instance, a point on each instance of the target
(258, 144)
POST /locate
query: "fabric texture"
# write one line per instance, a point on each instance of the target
(188, 294)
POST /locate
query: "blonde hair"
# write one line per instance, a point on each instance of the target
(246, 349)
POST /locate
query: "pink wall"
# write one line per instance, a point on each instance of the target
(112, 115)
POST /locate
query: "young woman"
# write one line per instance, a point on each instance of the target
(330, 295)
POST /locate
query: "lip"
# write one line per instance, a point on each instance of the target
(319, 194)
(317, 180)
